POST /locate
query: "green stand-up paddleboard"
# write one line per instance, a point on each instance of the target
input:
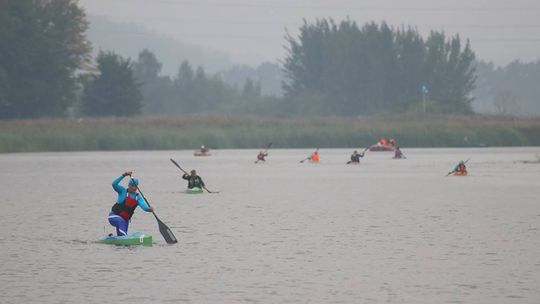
(134, 238)
(194, 190)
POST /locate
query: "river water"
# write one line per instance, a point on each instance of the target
(385, 231)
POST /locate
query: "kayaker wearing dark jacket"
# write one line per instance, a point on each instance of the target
(355, 157)
(398, 154)
(126, 203)
(194, 180)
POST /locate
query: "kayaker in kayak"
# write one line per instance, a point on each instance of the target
(126, 203)
(355, 157)
(203, 149)
(314, 156)
(194, 180)
(261, 156)
(398, 154)
(461, 168)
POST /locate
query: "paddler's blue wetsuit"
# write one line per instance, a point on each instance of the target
(125, 205)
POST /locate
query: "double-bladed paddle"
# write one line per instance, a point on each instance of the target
(178, 166)
(455, 169)
(309, 157)
(267, 147)
(163, 229)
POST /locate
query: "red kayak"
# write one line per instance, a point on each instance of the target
(379, 148)
(199, 153)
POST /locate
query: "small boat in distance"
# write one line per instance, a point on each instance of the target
(381, 148)
(203, 151)
(199, 153)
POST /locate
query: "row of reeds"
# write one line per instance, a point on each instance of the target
(224, 131)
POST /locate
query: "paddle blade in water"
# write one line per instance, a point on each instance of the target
(166, 232)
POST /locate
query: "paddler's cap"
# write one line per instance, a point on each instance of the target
(133, 182)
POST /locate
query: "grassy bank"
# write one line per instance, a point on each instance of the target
(221, 131)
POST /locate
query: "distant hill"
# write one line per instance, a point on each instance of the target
(128, 39)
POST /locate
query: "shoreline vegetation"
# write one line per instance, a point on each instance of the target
(221, 131)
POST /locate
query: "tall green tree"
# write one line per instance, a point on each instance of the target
(42, 44)
(450, 73)
(147, 67)
(344, 69)
(157, 90)
(114, 92)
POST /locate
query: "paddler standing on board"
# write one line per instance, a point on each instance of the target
(126, 203)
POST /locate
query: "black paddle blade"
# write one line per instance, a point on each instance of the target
(177, 165)
(166, 232)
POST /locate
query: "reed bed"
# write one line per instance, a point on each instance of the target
(228, 132)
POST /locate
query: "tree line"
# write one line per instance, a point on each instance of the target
(344, 69)
(331, 68)
(192, 90)
(508, 90)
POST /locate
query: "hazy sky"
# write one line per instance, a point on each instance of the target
(252, 31)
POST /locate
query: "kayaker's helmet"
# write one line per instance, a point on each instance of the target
(193, 172)
(355, 152)
(133, 182)
(202, 147)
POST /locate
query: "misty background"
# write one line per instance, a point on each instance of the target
(238, 39)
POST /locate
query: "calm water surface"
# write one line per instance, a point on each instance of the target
(386, 231)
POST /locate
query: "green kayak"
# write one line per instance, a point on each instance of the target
(134, 238)
(194, 190)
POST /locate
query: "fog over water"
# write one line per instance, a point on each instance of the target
(386, 231)
(252, 31)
